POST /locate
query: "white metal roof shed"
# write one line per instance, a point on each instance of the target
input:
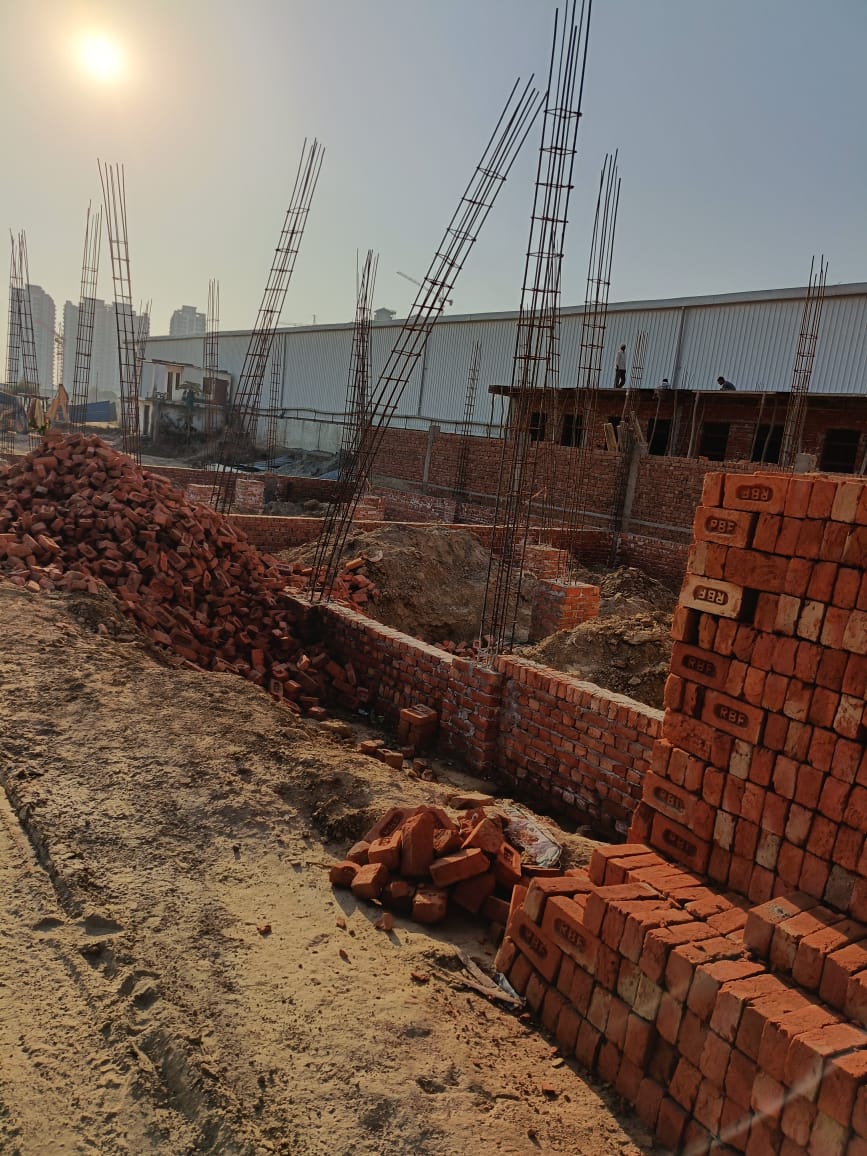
(749, 338)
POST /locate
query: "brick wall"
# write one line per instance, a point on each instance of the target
(576, 747)
(278, 487)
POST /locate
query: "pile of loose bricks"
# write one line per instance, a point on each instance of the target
(415, 862)
(714, 968)
(77, 514)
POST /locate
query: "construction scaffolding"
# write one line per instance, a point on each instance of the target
(535, 366)
(242, 415)
(211, 359)
(86, 315)
(463, 466)
(112, 179)
(461, 233)
(802, 370)
(593, 325)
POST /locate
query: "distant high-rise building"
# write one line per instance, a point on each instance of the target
(187, 322)
(42, 308)
(104, 370)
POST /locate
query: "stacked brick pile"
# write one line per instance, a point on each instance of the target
(417, 862)
(761, 777)
(75, 513)
(734, 1020)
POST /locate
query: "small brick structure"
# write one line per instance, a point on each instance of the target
(714, 968)
(543, 561)
(561, 606)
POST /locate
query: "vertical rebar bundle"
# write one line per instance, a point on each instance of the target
(142, 333)
(802, 370)
(461, 233)
(242, 415)
(593, 324)
(356, 422)
(13, 335)
(86, 315)
(113, 181)
(13, 354)
(463, 466)
(29, 365)
(535, 366)
(211, 358)
(277, 358)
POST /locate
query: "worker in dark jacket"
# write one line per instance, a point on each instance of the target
(727, 386)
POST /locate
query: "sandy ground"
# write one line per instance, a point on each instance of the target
(151, 821)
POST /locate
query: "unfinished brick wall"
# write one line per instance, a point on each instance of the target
(575, 746)
(278, 487)
(714, 969)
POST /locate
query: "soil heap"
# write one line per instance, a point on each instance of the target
(626, 649)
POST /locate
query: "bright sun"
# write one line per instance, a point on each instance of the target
(100, 57)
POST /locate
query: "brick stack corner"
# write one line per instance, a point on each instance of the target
(714, 968)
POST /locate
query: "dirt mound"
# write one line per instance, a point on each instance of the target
(626, 649)
(629, 655)
(431, 580)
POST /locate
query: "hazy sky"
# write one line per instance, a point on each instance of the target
(739, 124)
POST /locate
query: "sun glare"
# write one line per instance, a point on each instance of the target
(100, 57)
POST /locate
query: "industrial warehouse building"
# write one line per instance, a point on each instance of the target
(749, 338)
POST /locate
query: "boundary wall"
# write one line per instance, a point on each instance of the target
(571, 745)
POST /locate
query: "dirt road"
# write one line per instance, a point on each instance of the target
(145, 1008)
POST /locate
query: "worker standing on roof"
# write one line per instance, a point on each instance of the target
(726, 386)
(620, 368)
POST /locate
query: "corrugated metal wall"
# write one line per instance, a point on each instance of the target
(751, 342)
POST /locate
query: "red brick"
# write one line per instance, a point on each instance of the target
(709, 979)
(768, 1096)
(541, 890)
(842, 1077)
(429, 904)
(640, 1039)
(535, 944)
(799, 1115)
(733, 717)
(386, 850)
(839, 967)
(472, 893)
(369, 881)
(455, 868)
(814, 949)
(808, 1052)
(685, 1084)
(711, 596)
(587, 1045)
(734, 996)
(828, 1138)
(417, 849)
(729, 527)
(647, 1102)
(671, 1123)
(762, 920)
(563, 924)
(765, 493)
(680, 843)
